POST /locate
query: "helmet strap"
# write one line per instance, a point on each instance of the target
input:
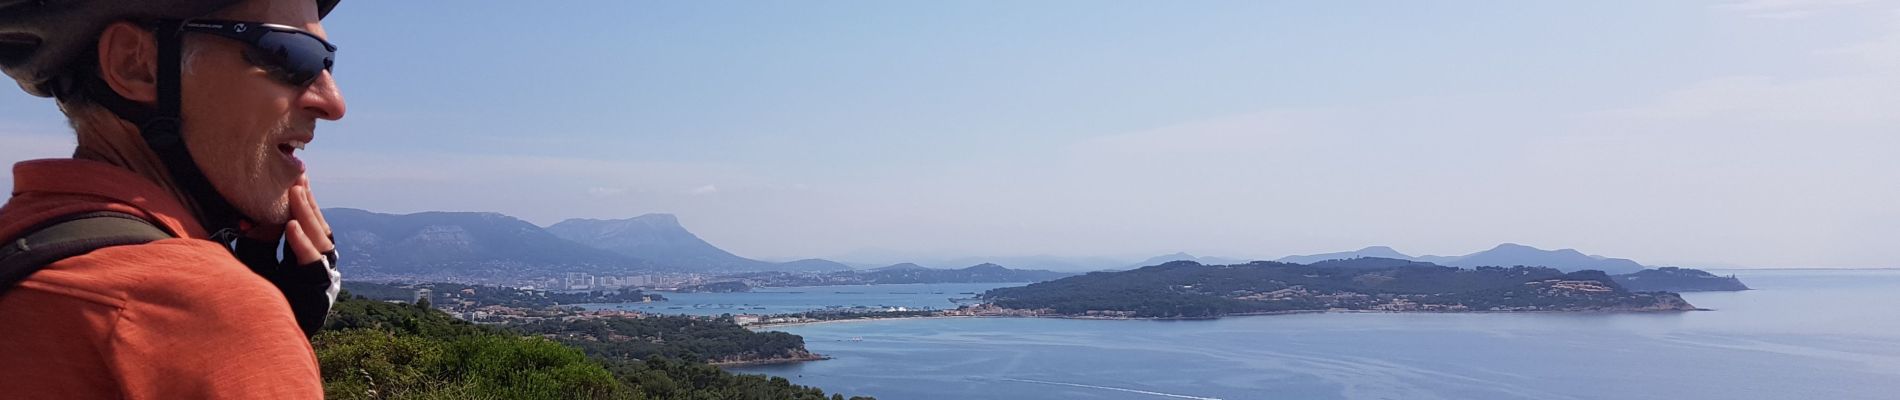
(161, 129)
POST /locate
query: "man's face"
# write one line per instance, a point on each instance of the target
(243, 125)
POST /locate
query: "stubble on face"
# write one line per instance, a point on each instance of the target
(264, 194)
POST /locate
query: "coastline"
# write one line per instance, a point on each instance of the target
(1250, 314)
(755, 326)
(770, 361)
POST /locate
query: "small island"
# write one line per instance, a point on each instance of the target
(1186, 289)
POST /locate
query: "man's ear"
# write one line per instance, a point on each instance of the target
(128, 62)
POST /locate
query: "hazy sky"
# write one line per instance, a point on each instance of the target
(1754, 133)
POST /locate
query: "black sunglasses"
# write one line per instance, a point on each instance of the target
(293, 55)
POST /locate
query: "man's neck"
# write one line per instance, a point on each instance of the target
(108, 139)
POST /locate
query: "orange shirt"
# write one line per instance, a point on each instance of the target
(172, 319)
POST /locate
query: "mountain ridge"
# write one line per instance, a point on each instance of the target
(443, 242)
(1502, 255)
(661, 239)
(1184, 256)
(467, 244)
(654, 237)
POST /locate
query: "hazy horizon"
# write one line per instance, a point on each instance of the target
(1752, 133)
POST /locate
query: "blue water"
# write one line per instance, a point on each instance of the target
(1802, 335)
(801, 299)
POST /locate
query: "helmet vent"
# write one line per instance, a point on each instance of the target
(15, 47)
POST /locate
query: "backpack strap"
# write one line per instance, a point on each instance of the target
(68, 237)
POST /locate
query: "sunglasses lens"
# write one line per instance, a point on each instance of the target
(301, 57)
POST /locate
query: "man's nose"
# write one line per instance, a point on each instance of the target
(323, 98)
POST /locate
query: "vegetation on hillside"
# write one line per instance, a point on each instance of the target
(1190, 290)
(381, 350)
(1673, 279)
(676, 337)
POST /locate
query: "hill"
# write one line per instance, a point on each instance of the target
(1503, 255)
(1183, 256)
(661, 239)
(1665, 279)
(473, 244)
(812, 264)
(1371, 263)
(871, 258)
(898, 267)
(1675, 279)
(461, 243)
(1373, 251)
(1510, 254)
(1184, 289)
(376, 350)
(980, 273)
(1046, 262)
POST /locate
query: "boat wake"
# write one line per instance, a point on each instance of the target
(1178, 396)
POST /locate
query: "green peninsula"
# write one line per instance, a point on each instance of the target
(1185, 289)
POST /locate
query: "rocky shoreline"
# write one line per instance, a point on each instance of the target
(770, 361)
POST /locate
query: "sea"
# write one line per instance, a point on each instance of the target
(1802, 334)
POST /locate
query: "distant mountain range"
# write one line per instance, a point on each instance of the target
(898, 267)
(452, 243)
(1166, 258)
(1374, 251)
(1046, 262)
(1504, 255)
(661, 239)
(448, 243)
(812, 264)
(653, 237)
(981, 273)
(868, 259)
(1665, 279)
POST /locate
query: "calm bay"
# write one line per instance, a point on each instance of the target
(1831, 334)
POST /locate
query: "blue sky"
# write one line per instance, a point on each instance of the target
(1744, 133)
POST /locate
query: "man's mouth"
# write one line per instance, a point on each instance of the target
(290, 151)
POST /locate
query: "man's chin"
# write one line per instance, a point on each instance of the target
(264, 199)
(276, 214)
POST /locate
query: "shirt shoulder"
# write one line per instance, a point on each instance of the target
(165, 273)
(188, 305)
